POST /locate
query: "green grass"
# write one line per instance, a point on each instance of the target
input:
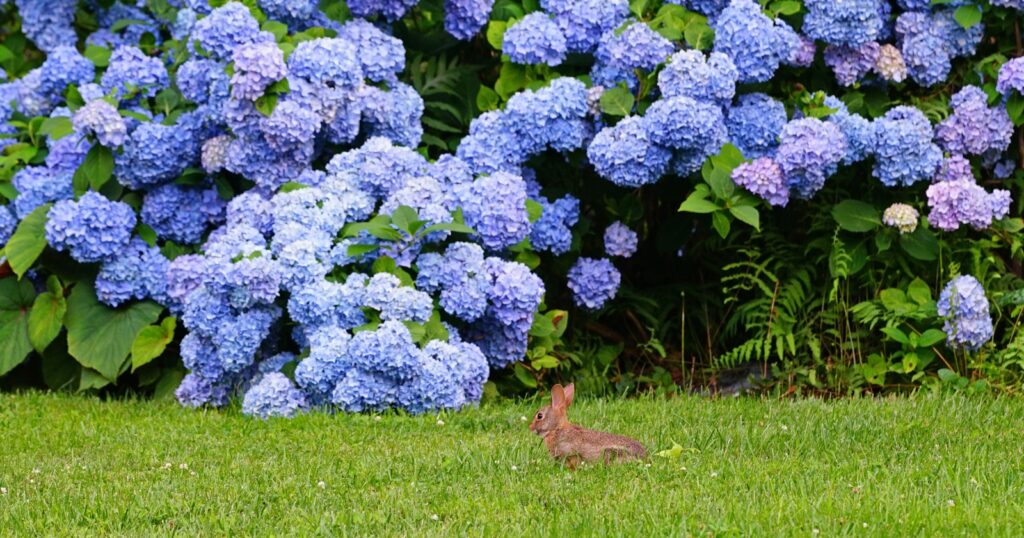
(916, 467)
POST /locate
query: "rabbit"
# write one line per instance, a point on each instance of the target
(571, 443)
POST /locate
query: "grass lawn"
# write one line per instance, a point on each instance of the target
(917, 467)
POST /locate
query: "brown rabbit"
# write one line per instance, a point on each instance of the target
(571, 443)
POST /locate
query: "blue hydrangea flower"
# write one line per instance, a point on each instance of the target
(515, 293)
(636, 47)
(619, 240)
(553, 116)
(625, 155)
(273, 396)
(495, 207)
(137, 271)
(130, 69)
(360, 391)
(903, 149)
(8, 223)
(290, 126)
(491, 145)
(48, 24)
(246, 283)
(391, 10)
(64, 66)
(297, 11)
(224, 29)
(394, 114)
(463, 19)
(847, 23)
(756, 43)
(331, 65)
(38, 185)
(100, 119)
(810, 151)
(257, 66)
(962, 202)
(974, 128)
(763, 177)
(203, 81)
(385, 293)
(711, 79)
(966, 309)
(66, 153)
(184, 275)
(593, 282)
(535, 39)
(465, 361)
(501, 344)
(197, 391)
(694, 130)
(92, 229)
(380, 55)
(584, 22)
(755, 123)
(850, 64)
(859, 132)
(553, 230)
(378, 167)
(238, 338)
(387, 350)
(153, 154)
(199, 355)
(435, 387)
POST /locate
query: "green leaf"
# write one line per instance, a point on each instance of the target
(856, 216)
(748, 215)
(100, 337)
(698, 34)
(167, 100)
(545, 362)
(511, 79)
(921, 244)
(930, 338)
(280, 30)
(151, 342)
(15, 301)
(449, 227)
(435, 329)
(671, 453)
(358, 251)
(697, 203)
(721, 223)
(617, 101)
(786, 7)
(28, 241)
(487, 99)
(637, 7)
(99, 56)
(919, 292)
(1015, 107)
(524, 376)
(91, 379)
(47, 316)
(97, 168)
(168, 383)
(121, 24)
(147, 234)
(496, 33)
(60, 370)
(968, 16)
(403, 217)
(266, 104)
(896, 335)
(534, 210)
(56, 128)
(720, 181)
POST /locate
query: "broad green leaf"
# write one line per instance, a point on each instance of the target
(896, 334)
(168, 383)
(91, 379)
(496, 33)
(1015, 107)
(403, 217)
(357, 250)
(721, 224)
(921, 244)
(968, 16)
(16, 298)
(100, 337)
(28, 241)
(60, 370)
(266, 104)
(56, 128)
(97, 168)
(435, 328)
(524, 376)
(545, 362)
(121, 24)
(617, 101)
(151, 342)
(146, 233)
(909, 362)
(280, 30)
(699, 34)
(856, 216)
(47, 316)
(747, 214)
(919, 292)
(534, 210)
(671, 453)
(721, 183)
(487, 99)
(449, 227)
(697, 203)
(99, 56)
(930, 338)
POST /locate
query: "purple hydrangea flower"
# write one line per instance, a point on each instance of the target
(273, 396)
(763, 177)
(619, 240)
(593, 282)
(101, 119)
(535, 39)
(92, 229)
(966, 309)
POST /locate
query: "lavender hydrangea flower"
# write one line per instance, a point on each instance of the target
(903, 148)
(1011, 77)
(690, 73)
(810, 151)
(756, 43)
(755, 123)
(763, 177)
(966, 309)
(131, 69)
(593, 282)
(101, 119)
(136, 271)
(974, 128)
(257, 66)
(964, 202)
(850, 64)
(625, 155)
(464, 18)
(619, 240)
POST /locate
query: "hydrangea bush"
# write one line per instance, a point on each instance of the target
(389, 204)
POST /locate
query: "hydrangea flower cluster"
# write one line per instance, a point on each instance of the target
(593, 282)
(902, 217)
(974, 128)
(966, 309)
(619, 240)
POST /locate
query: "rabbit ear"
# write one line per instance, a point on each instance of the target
(569, 390)
(558, 397)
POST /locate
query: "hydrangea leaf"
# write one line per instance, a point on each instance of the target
(968, 16)
(60, 370)
(100, 337)
(617, 101)
(921, 244)
(16, 298)
(151, 342)
(856, 216)
(28, 241)
(47, 316)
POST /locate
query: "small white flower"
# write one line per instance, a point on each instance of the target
(192, 473)
(35, 471)
(815, 531)
(714, 474)
(440, 422)
(376, 418)
(321, 484)
(648, 465)
(785, 428)
(183, 466)
(434, 517)
(951, 503)
(865, 524)
(522, 419)
(514, 468)
(167, 465)
(3, 491)
(31, 480)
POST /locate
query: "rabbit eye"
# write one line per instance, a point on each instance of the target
(540, 416)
